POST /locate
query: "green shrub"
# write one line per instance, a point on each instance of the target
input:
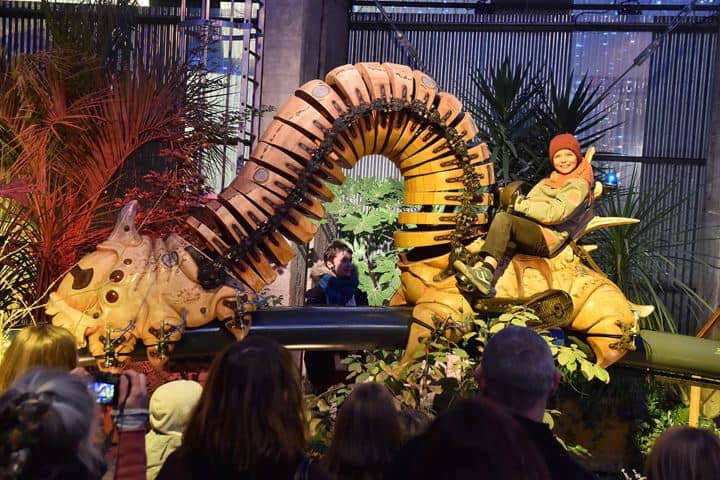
(440, 373)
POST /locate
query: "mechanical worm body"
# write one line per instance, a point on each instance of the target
(362, 109)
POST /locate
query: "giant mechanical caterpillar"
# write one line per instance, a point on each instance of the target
(362, 109)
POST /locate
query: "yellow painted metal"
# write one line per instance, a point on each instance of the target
(427, 218)
(413, 238)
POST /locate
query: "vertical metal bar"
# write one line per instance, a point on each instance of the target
(10, 40)
(205, 30)
(181, 35)
(257, 71)
(24, 29)
(244, 80)
(206, 10)
(228, 77)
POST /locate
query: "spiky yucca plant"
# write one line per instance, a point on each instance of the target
(575, 109)
(101, 27)
(504, 104)
(518, 110)
(643, 263)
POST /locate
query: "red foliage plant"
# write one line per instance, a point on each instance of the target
(67, 129)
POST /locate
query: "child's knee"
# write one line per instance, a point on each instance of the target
(503, 218)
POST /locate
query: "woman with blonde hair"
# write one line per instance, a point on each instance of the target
(37, 346)
(684, 453)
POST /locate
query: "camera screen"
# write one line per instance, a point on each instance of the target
(104, 392)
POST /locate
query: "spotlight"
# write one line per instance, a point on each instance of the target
(611, 179)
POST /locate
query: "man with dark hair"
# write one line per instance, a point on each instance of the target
(518, 371)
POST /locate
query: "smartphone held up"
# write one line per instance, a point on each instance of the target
(105, 388)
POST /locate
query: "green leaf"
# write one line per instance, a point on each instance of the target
(564, 357)
(587, 370)
(548, 419)
(460, 353)
(496, 327)
(602, 375)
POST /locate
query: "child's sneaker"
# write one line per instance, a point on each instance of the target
(480, 277)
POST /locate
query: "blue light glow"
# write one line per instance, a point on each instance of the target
(611, 178)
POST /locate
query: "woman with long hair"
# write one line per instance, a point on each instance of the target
(367, 434)
(684, 453)
(38, 346)
(250, 420)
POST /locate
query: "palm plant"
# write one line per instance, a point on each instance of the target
(504, 105)
(644, 263)
(101, 27)
(48, 139)
(17, 266)
(517, 117)
(573, 109)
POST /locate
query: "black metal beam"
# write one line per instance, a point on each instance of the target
(681, 357)
(535, 5)
(142, 18)
(302, 328)
(488, 23)
(609, 157)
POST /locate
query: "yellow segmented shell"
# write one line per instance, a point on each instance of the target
(279, 162)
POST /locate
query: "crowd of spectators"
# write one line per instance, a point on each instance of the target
(248, 421)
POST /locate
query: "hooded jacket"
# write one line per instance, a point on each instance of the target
(331, 290)
(170, 409)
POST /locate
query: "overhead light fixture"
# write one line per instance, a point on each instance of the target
(484, 7)
(629, 7)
